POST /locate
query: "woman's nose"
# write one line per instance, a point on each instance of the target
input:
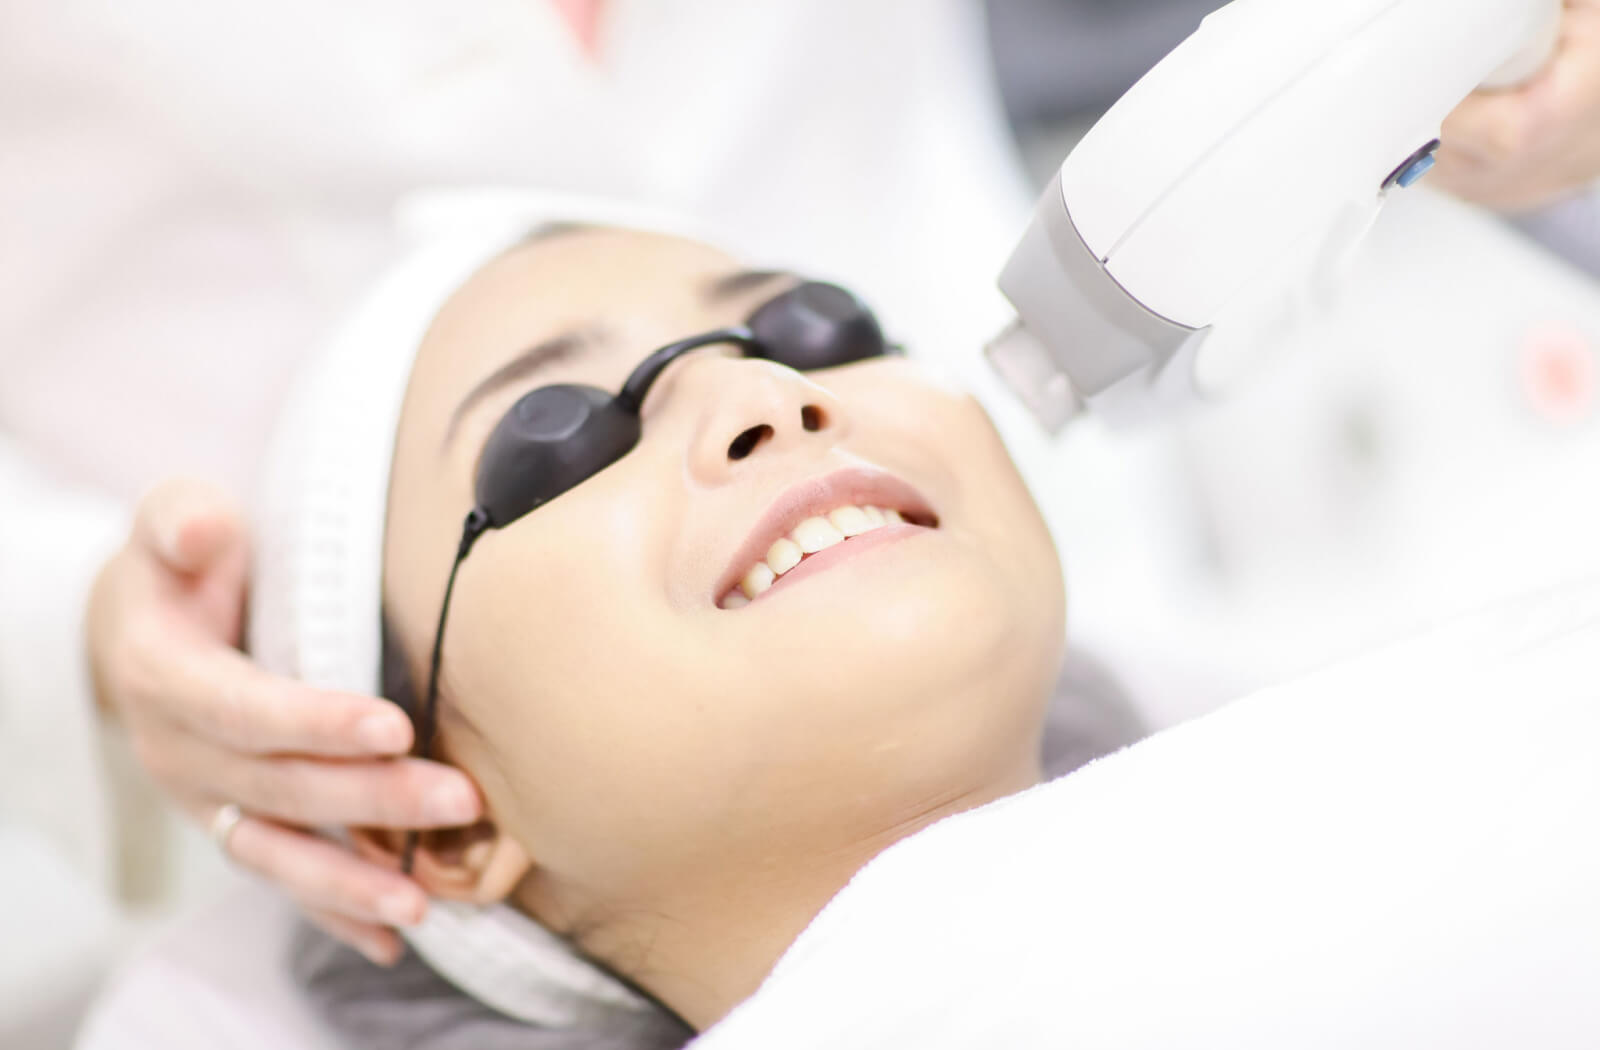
(744, 411)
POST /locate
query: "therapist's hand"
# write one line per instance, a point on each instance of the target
(1522, 149)
(163, 629)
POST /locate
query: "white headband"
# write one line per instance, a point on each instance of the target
(318, 575)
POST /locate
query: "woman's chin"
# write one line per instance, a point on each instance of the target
(921, 609)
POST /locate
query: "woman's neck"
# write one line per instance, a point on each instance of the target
(705, 944)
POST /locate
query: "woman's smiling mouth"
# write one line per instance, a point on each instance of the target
(819, 523)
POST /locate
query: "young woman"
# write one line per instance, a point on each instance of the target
(813, 610)
(733, 603)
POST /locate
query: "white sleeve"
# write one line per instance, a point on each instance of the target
(192, 988)
(53, 540)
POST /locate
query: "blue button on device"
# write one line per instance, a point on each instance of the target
(1415, 167)
(1414, 171)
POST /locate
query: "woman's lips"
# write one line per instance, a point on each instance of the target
(839, 552)
(822, 521)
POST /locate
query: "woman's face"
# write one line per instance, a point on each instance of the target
(625, 726)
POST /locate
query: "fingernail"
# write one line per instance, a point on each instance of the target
(399, 909)
(383, 732)
(451, 804)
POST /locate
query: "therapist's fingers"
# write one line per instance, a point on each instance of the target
(1527, 147)
(1493, 149)
(400, 793)
(165, 621)
(189, 525)
(200, 679)
(218, 693)
(325, 876)
(378, 943)
(1489, 129)
(194, 549)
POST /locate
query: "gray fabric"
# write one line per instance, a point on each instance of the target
(1089, 716)
(1569, 228)
(1059, 59)
(410, 1007)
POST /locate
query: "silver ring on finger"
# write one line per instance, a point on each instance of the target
(227, 818)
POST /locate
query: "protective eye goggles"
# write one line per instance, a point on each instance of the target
(556, 437)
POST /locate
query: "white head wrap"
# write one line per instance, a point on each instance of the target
(317, 581)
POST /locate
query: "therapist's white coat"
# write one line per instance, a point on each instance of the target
(193, 192)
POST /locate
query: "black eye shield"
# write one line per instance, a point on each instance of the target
(556, 437)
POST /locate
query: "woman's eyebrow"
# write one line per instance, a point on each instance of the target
(568, 344)
(740, 281)
(519, 369)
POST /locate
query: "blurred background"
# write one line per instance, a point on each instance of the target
(1429, 443)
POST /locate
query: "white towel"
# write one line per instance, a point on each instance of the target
(1400, 852)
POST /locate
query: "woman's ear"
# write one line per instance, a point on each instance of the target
(476, 864)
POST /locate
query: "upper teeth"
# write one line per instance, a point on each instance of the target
(809, 537)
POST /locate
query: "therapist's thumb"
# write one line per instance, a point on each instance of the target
(190, 526)
(1489, 128)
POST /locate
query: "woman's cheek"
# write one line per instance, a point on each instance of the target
(890, 396)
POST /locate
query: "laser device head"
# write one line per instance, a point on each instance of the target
(1234, 178)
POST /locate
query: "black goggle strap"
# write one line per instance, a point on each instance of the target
(478, 522)
(643, 378)
(476, 525)
(639, 382)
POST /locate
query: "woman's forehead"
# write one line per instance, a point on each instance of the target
(578, 273)
(549, 284)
